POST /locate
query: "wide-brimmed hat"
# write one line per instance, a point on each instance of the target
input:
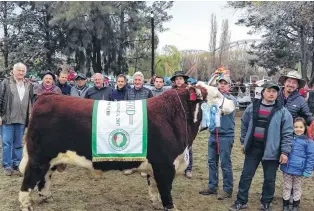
(48, 73)
(80, 75)
(292, 74)
(179, 73)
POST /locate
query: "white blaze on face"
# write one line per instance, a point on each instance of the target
(215, 97)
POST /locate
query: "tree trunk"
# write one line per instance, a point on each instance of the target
(5, 49)
(302, 46)
(121, 40)
(50, 50)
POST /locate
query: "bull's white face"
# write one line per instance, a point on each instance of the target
(215, 97)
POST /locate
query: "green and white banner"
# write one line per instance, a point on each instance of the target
(119, 130)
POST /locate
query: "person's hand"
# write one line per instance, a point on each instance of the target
(242, 149)
(283, 159)
(0, 122)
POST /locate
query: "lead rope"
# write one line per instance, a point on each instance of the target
(186, 124)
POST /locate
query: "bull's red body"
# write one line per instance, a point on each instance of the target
(60, 123)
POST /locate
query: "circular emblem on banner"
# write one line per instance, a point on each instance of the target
(119, 139)
(204, 106)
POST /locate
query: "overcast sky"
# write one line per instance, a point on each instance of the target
(189, 28)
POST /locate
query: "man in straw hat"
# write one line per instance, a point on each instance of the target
(290, 97)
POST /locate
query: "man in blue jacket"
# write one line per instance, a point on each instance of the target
(266, 136)
(222, 137)
(290, 97)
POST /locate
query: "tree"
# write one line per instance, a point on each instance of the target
(287, 29)
(6, 18)
(224, 39)
(212, 42)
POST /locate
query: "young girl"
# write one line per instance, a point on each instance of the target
(300, 164)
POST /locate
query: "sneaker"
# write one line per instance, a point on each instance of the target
(265, 207)
(237, 206)
(7, 172)
(224, 195)
(17, 173)
(207, 192)
(188, 174)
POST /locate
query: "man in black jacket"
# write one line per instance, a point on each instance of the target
(138, 92)
(99, 91)
(119, 93)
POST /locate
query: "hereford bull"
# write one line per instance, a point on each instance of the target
(60, 128)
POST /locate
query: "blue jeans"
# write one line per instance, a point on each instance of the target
(251, 162)
(190, 166)
(12, 145)
(225, 145)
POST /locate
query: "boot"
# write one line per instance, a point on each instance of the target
(295, 205)
(285, 205)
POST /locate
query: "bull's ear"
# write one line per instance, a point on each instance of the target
(192, 92)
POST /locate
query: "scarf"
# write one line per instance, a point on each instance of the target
(47, 89)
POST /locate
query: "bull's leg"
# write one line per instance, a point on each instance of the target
(164, 175)
(153, 193)
(31, 177)
(44, 184)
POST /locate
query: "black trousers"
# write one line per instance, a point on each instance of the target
(251, 162)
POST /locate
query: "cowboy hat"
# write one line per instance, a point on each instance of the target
(292, 74)
(179, 73)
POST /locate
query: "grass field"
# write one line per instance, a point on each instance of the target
(76, 190)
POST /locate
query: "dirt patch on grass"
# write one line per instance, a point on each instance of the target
(76, 190)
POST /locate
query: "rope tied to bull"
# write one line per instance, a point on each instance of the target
(186, 123)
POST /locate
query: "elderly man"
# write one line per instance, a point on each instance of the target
(80, 89)
(119, 93)
(15, 100)
(291, 98)
(266, 137)
(138, 92)
(158, 86)
(220, 145)
(99, 91)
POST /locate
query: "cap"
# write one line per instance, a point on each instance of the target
(48, 73)
(80, 75)
(225, 78)
(271, 84)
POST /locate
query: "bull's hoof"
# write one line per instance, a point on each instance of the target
(45, 199)
(128, 172)
(27, 208)
(61, 167)
(171, 209)
(97, 174)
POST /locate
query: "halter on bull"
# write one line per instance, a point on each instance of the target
(173, 122)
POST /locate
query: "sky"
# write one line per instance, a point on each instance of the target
(190, 25)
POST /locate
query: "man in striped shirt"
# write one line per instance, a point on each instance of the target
(266, 137)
